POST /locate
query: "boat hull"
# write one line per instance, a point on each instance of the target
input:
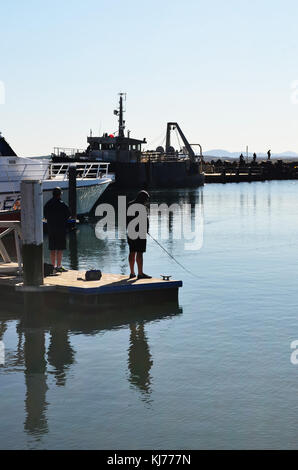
(88, 194)
(179, 174)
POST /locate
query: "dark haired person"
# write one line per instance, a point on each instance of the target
(57, 213)
(137, 246)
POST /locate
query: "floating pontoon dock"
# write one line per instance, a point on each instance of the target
(113, 290)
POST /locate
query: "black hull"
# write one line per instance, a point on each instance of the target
(157, 175)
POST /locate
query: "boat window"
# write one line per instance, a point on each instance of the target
(135, 147)
(107, 147)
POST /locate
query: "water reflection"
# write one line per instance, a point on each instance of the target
(60, 353)
(40, 361)
(73, 251)
(123, 256)
(36, 381)
(269, 199)
(139, 359)
(3, 328)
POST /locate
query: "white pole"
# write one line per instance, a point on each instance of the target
(32, 231)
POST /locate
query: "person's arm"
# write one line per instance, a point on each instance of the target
(45, 211)
(67, 212)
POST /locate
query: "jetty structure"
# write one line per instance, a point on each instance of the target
(24, 280)
(134, 168)
(237, 171)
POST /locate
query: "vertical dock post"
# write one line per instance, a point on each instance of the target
(72, 191)
(32, 232)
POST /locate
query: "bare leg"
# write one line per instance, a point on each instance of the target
(53, 257)
(131, 259)
(140, 263)
(59, 258)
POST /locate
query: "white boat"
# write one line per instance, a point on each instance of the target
(92, 179)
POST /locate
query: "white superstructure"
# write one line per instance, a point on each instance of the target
(92, 180)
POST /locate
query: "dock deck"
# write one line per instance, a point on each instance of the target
(72, 281)
(112, 290)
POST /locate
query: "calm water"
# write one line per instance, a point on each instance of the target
(213, 373)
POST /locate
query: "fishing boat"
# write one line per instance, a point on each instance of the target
(161, 168)
(93, 178)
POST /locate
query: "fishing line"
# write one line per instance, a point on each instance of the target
(174, 259)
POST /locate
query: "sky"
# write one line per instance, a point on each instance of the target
(224, 70)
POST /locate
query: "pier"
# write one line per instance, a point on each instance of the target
(232, 172)
(235, 176)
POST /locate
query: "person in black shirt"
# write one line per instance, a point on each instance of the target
(57, 213)
(137, 246)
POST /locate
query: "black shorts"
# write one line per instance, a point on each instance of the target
(137, 246)
(57, 241)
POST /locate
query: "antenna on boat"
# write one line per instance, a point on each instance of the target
(120, 114)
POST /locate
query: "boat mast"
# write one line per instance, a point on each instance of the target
(121, 121)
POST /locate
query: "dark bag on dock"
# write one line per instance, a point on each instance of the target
(93, 275)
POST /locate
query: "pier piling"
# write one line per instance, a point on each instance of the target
(72, 191)
(32, 232)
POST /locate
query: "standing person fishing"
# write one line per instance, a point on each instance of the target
(136, 236)
(57, 213)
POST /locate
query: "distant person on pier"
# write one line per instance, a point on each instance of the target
(269, 154)
(241, 159)
(254, 159)
(137, 246)
(57, 213)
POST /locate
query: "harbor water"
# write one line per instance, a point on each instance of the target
(214, 373)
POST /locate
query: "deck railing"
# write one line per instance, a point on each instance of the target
(10, 173)
(162, 157)
(84, 170)
(8, 227)
(69, 152)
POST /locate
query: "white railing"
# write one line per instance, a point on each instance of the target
(17, 171)
(84, 170)
(11, 226)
